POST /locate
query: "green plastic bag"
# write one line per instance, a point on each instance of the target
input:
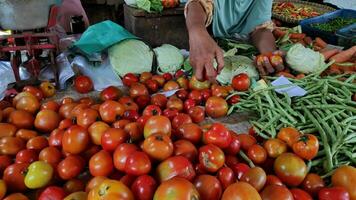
(101, 36)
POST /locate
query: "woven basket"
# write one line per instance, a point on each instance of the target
(322, 9)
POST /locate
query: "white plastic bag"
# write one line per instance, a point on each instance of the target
(6, 77)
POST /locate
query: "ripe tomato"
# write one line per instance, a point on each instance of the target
(77, 196)
(16, 196)
(240, 190)
(14, 176)
(37, 143)
(246, 141)
(50, 105)
(70, 167)
(158, 146)
(152, 110)
(34, 91)
(55, 138)
(100, 164)
(138, 163)
(170, 85)
(87, 101)
(66, 100)
(256, 177)
(197, 113)
(186, 149)
(138, 89)
(182, 94)
(211, 157)
(131, 115)
(176, 188)
(50, 155)
(157, 124)
(226, 177)
(181, 119)
(231, 160)
(47, 120)
(195, 84)
(175, 166)
(52, 193)
(144, 187)
(273, 180)
(28, 103)
(11, 145)
(234, 99)
(48, 89)
(183, 82)
(21, 119)
(6, 113)
(65, 111)
(26, 134)
(87, 117)
(276, 192)
(5, 161)
(110, 189)
(257, 154)
(144, 76)
(241, 82)
(159, 100)
(208, 187)
(216, 107)
(112, 138)
(142, 101)
(77, 110)
(120, 123)
(218, 135)
(94, 182)
(167, 76)
(290, 169)
(196, 96)
(240, 169)
(160, 79)
(96, 131)
(83, 84)
(235, 145)
(275, 147)
(219, 91)
(306, 146)
(134, 130)
(129, 79)
(299, 194)
(289, 135)
(191, 132)
(26, 156)
(7, 130)
(152, 85)
(111, 110)
(75, 140)
(313, 183)
(337, 193)
(175, 103)
(110, 93)
(128, 179)
(170, 113)
(121, 153)
(128, 103)
(188, 104)
(65, 123)
(345, 176)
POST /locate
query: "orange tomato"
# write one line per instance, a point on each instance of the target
(65, 110)
(37, 143)
(306, 146)
(21, 119)
(50, 105)
(216, 107)
(7, 130)
(28, 103)
(50, 155)
(240, 190)
(110, 189)
(11, 145)
(96, 130)
(176, 188)
(75, 140)
(87, 117)
(158, 146)
(111, 110)
(47, 120)
(101, 164)
(157, 124)
(289, 135)
(26, 134)
(94, 182)
(275, 147)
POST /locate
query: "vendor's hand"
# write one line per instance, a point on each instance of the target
(270, 63)
(203, 51)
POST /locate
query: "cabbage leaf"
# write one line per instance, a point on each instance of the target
(169, 59)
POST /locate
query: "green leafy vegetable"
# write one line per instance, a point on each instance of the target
(334, 24)
(150, 5)
(169, 58)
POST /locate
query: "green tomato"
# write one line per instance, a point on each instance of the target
(39, 174)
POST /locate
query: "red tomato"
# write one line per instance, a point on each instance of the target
(196, 96)
(121, 153)
(188, 104)
(65, 111)
(273, 180)
(50, 105)
(159, 100)
(191, 132)
(34, 91)
(179, 73)
(11, 145)
(157, 124)
(334, 193)
(180, 119)
(167, 76)
(134, 129)
(206, 94)
(142, 120)
(142, 101)
(110, 93)
(26, 156)
(299, 194)
(234, 99)
(176, 103)
(231, 160)
(129, 79)
(176, 188)
(101, 164)
(219, 91)
(70, 167)
(218, 135)
(83, 84)
(246, 141)
(21, 119)
(344, 176)
(87, 101)
(152, 85)
(55, 138)
(290, 169)
(47, 120)
(152, 110)
(87, 117)
(241, 82)
(257, 154)
(65, 123)
(175, 166)
(131, 115)
(111, 110)
(240, 190)
(160, 79)
(7, 129)
(144, 76)
(112, 138)
(128, 180)
(235, 145)
(74, 185)
(144, 187)
(306, 146)
(170, 113)
(138, 89)
(75, 140)
(186, 149)
(240, 169)
(128, 103)
(50, 155)
(226, 177)
(138, 163)
(276, 192)
(14, 176)
(158, 146)
(5, 161)
(255, 177)
(211, 157)
(289, 135)
(275, 147)
(208, 186)
(216, 107)
(197, 113)
(313, 183)
(182, 94)
(67, 100)
(121, 123)
(52, 193)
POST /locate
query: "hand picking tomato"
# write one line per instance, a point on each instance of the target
(83, 84)
(39, 175)
(218, 135)
(334, 193)
(306, 146)
(52, 193)
(143, 188)
(241, 82)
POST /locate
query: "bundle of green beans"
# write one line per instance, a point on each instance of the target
(326, 111)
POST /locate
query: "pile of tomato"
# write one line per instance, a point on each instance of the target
(144, 145)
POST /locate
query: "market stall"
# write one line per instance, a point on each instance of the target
(119, 114)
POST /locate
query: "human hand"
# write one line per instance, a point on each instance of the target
(270, 63)
(203, 51)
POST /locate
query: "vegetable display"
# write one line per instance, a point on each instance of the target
(334, 24)
(296, 11)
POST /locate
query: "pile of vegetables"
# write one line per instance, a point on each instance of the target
(334, 24)
(153, 6)
(295, 11)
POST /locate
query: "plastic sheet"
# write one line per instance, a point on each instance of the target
(6, 77)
